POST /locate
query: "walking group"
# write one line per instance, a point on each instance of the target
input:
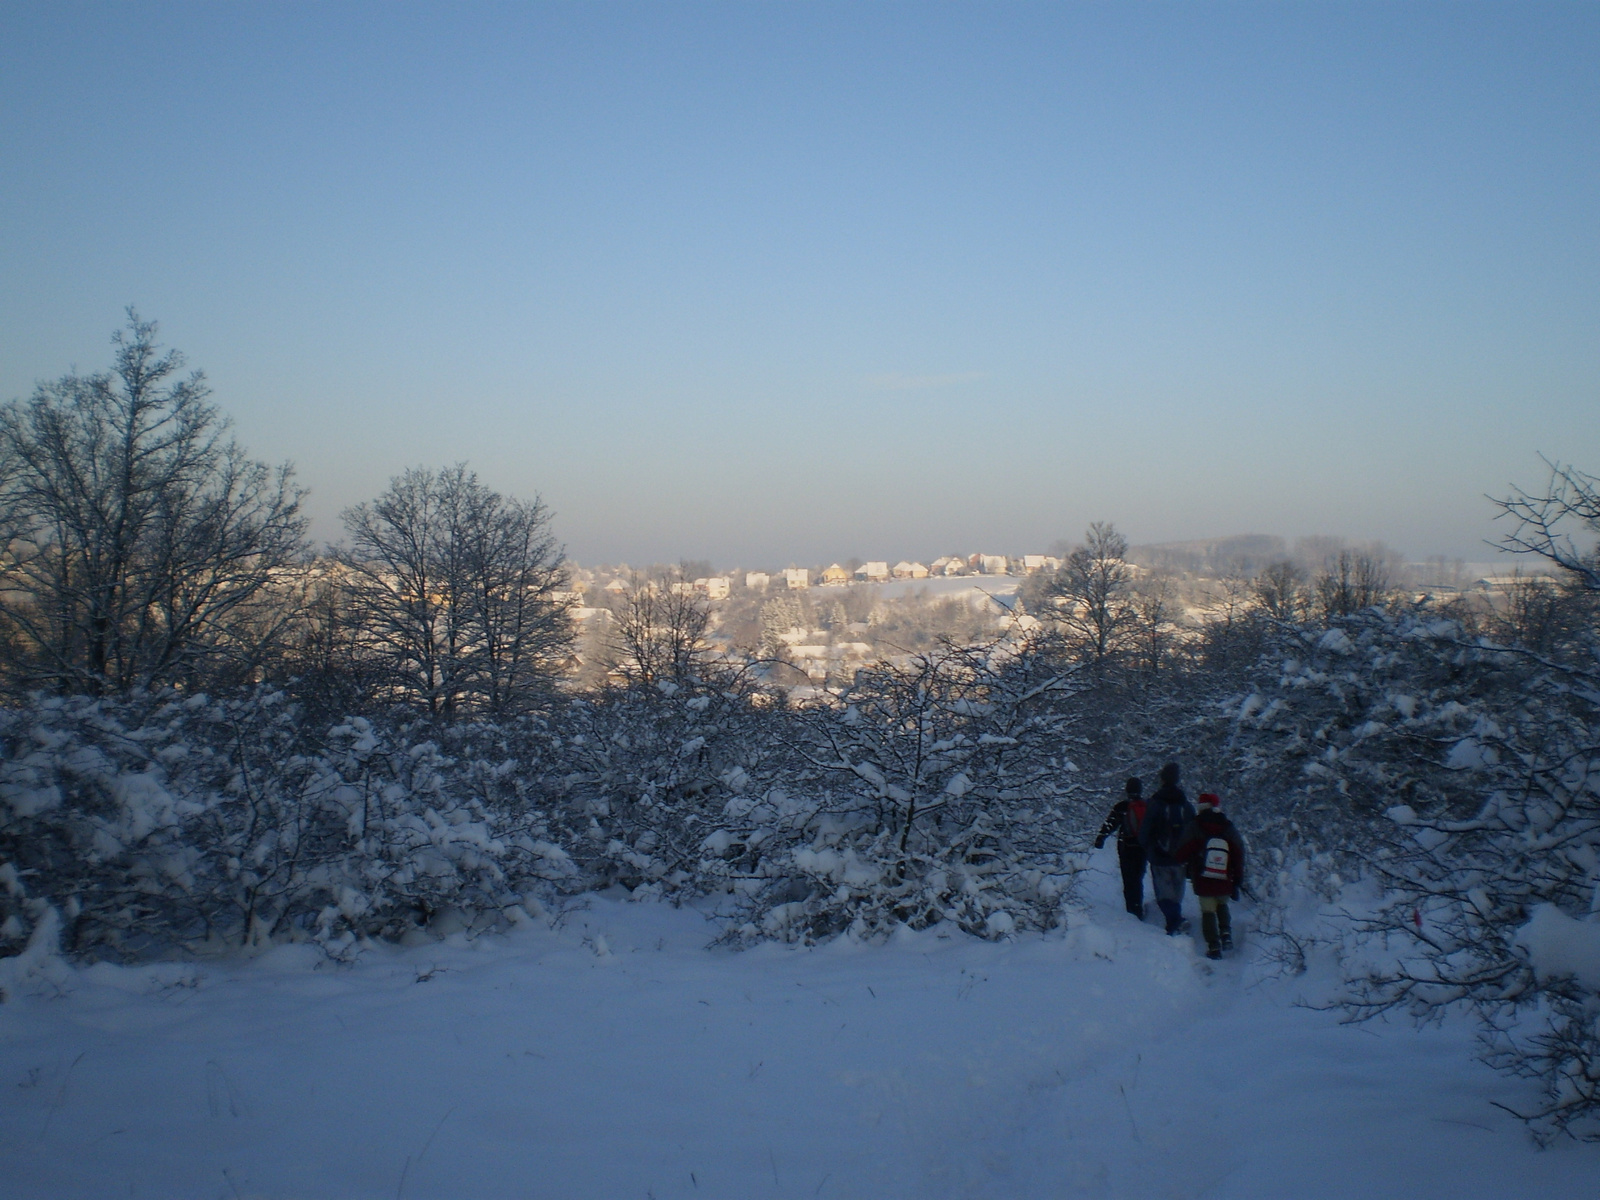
(1178, 840)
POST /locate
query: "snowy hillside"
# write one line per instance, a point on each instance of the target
(616, 1056)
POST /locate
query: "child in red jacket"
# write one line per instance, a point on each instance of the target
(1214, 853)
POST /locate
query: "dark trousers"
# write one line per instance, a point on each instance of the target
(1131, 860)
(1167, 883)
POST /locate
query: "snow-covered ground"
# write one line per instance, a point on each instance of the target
(974, 589)
(616, 1056)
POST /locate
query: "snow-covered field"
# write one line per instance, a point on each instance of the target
(971, 588)
(615, 1056)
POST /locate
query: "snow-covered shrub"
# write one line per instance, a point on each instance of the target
(1338, 726)
(198, 819)
(1461, 776)
(1492, 869)
(930, 790)
(647, 772)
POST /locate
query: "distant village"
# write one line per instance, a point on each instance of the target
(823, 623)
(719, 587)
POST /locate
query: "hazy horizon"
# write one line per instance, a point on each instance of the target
(763, 283)
(1488, 559)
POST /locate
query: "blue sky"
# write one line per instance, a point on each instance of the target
(761, 282)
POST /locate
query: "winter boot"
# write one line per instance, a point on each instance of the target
(1225, 926)
(1208, 926)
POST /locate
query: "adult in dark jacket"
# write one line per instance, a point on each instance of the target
(1166, 817)
(1214, 853)
(1124, 819)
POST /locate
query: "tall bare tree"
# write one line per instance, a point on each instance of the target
(454, 592)
(141, 539)
(1545, 614)
(1089, 596)
(1280, 590)
(1349, 583)
(659, 630)
(1152, 628)
(1227, 631)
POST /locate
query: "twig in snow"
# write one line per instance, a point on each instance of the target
(60, 1093)
(773, 1159)
(1469, 1124)
(215, 1094)
(399, 1190)
(1124, 1093)
(435, 1132)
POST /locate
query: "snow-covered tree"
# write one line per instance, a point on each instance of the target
(141, 544)
(1088, 597)
(935, 789)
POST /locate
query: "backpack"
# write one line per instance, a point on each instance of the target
(1132, 818)
(1169, 833)
(1216, 861)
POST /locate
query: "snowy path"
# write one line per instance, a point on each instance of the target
(1104, 1061)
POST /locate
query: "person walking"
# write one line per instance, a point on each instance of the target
(1160, 834)
(1124, 819)
(1214, 852)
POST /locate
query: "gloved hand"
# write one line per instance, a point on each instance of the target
(1098, 842)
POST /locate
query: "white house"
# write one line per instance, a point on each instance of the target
(715, 587)
(873, 572)
(910, 570)
(757, 581)
(797, 577)
(993, 564)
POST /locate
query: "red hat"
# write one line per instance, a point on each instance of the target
(1209, 800)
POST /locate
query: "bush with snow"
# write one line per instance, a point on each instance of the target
(1463, 776)
(933, 790)
(157, 827)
